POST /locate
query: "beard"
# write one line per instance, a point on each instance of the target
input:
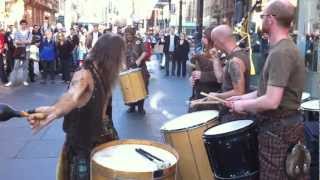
(265, 28)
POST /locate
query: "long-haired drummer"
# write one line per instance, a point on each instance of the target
(278, 97)
(203, 77)
(84, 107)
(135, 58)
(234, 75)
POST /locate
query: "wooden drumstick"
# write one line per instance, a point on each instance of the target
(214, 97)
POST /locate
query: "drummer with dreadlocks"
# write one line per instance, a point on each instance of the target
(135, 55)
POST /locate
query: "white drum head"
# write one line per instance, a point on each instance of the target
(228, 127)
(190, 120)
(305, 96)
(311, 105)
(124, 158)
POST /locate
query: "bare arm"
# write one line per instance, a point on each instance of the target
(141, 58)
(270, 101)
(78, 95)
(236, 71)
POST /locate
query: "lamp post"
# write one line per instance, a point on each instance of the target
(198, 45)
(180, 17)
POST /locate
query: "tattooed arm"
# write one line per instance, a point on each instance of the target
(237, 73)
(78, 95)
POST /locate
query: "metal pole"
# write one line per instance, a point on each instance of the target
(180, 17)
(198, 45)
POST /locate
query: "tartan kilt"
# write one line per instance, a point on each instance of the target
(274, 143)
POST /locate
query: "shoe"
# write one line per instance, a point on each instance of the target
(141, 111)
(25, 83)
(131, 109)
(8, 84)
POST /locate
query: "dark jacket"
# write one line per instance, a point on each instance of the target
(167, 43)
(65, 50)
(90, 38)
(182, 51)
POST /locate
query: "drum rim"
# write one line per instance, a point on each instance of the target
(166, 172)
(313, 110)
(129, 71)
(205, 136)
(190, 127)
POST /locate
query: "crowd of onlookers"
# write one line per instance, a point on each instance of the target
(42, 53)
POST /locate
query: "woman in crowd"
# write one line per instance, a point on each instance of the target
(182, 53)
(65, 49)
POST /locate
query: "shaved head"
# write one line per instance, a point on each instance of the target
(283, 11)
(221, 32)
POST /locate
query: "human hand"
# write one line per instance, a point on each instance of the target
(196, 75)
(234, 98)
(42, 117)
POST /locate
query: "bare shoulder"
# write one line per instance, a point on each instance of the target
(82, 77)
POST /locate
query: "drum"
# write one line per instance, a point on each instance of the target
(311, 110)
(185, 135)
(132, 86)
(233, 150)
(121, 160)
(305, 96)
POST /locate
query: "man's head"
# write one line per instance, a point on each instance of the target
(223, 38)
(36, 27)
(95, 28)
(23, 24)
(48, 34)
(277, 14)
(129, 32)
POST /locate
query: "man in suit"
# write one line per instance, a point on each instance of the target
(93, 37)
(170, 45)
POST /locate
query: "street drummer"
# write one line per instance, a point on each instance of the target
(234, 75)
(135, 58)
(278, 97)
(83, 107)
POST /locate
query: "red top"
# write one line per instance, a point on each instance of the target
(2, 42)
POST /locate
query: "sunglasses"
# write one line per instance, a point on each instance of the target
(266, 15)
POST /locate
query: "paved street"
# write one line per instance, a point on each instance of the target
(24, 156)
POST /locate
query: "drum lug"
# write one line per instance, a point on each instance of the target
(228, 145)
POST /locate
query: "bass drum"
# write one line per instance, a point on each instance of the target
(233, 150)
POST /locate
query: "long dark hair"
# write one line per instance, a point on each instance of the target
(107, 54)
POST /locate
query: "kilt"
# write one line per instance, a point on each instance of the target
(275, 137)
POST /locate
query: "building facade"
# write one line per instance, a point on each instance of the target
(34, 11)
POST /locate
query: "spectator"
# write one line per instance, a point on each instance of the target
(65, 49)
(2, 49)
(22, 39)
(48, 57)
(9, 36)
(182, 53)
(170, 45)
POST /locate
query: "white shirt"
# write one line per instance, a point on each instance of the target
(171, 45)
(95, 37)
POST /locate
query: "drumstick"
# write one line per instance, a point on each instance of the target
(153, 156)
(205, 103)
(214, 97)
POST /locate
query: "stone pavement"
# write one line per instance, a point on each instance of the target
(24, 156)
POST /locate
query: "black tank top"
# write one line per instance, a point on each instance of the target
(83, 126)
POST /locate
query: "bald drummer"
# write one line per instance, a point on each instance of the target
(234, 75)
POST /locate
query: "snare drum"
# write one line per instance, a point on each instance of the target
(305, 96)
(184, 134)
(132, 86)
(233, 150)
(120, 160)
